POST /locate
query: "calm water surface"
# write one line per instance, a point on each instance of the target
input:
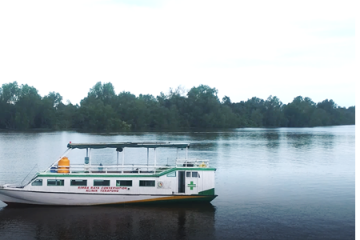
(279, 183)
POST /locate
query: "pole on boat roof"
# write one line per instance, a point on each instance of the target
(155, 160)
(123, 160)
(90, 156)
(87, 156)
(148, 159)
(117, 158)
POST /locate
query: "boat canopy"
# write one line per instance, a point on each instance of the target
(119, 146)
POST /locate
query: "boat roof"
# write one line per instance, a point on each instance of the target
(121, 145)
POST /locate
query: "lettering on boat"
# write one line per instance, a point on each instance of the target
(102, 189)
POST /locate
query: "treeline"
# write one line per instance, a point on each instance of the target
(21, 108)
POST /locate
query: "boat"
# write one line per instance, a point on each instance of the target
(88, 183)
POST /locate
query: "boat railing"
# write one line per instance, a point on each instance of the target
(196, 163)
(128, 169)
(110, 169)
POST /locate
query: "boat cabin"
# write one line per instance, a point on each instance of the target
(184, 177)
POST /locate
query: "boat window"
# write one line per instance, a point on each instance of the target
(55, 182)
(78, 182)
(37, 182)
(172, 174)
(124, 183)
(188, 174)
(194, 174)
(147, 183)
(101, 182)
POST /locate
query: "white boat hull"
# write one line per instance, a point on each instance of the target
(15, 196)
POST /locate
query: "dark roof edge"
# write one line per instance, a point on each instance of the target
(121, 145)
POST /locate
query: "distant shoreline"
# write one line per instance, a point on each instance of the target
(22, 108)
(44, 130)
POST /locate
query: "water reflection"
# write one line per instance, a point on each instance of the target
(272, 136)
(204, 146)
(326, 140)
(278, 183)
(129, 222)
(299, 140)
(200, 136)
(272, 139)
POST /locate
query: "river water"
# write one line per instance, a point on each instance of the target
(272, 183)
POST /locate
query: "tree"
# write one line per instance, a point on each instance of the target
(299, 111)
(100, 117)
(331, 109)
(177, 103)
(104, 92)
(203, 105)
(10, 93)
(131, 110)
(49, 111)
(273, 114)
(226, 101)
(254, 109)
(8, 97)
(27, 108)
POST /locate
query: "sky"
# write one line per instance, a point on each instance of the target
(244, 49)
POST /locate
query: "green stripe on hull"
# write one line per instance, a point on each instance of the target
(170, 200)
(208, 192)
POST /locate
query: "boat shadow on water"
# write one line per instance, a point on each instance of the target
(171, 221)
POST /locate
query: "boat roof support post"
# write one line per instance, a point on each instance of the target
(155, 160)
(117, 158)
(186, 153)
(123, 160)
(148, 159)
(86, 160)
(90, 158)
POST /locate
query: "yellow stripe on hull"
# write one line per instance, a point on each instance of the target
(169, 199)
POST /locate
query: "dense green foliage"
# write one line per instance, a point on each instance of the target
(21, 107)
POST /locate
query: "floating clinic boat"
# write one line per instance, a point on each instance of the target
(188, 180)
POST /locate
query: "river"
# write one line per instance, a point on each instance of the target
(272, 183)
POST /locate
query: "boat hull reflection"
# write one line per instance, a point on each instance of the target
(195, 221)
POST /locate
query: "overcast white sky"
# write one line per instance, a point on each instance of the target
(243, 49)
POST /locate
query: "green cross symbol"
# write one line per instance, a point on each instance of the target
(191, 185)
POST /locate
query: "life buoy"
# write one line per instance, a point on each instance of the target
(160, 184)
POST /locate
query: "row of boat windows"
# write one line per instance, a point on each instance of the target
(192, 174)
(100, 182)
(188, 174)
(96, 183)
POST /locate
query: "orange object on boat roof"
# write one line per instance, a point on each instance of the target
(64, 165)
